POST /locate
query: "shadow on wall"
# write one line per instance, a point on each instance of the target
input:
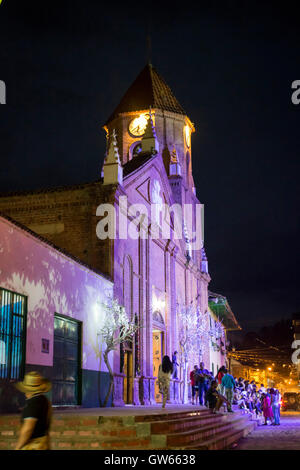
(54, 285)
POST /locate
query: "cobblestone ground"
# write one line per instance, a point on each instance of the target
(283, 437)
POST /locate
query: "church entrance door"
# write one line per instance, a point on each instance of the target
(158, 351)
(128, 379)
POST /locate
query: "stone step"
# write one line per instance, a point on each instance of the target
(57, 420)
(87, 444)
(221, 440)
(225, 440)
(81, 444)
(202, 433)
(172, 416)
(126, 432)
(163, 427)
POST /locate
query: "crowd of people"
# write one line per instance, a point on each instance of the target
(259, 401)
(224, 390)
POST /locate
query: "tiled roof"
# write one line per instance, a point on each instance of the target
(221, 308)
(148, 90)
(50, 190)
(137, 162)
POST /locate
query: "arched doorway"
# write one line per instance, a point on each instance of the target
(158, 344)
(128, 372)
(127, 348)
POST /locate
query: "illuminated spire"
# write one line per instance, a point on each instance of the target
(149, 140)
(112, 169)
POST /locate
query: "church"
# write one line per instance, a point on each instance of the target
(148, 162)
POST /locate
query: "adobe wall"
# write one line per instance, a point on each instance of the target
(53, 283)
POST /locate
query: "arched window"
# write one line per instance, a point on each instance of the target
(135, 149)
(157, 317)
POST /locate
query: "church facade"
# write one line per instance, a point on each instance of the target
(148, 164)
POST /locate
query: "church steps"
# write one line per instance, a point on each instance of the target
(161, 427)
(221, 440)
(202, 433)
(172, 416)
(182, 430)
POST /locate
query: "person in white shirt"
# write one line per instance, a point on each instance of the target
(262, 389)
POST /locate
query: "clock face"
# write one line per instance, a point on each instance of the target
(138, 126)
(187, 133)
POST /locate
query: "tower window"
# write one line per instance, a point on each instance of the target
(137, 149)
(134, 150)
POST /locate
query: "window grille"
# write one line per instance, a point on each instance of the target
(12, 334)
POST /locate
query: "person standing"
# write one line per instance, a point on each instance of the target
(228, 383)
(202, 383)
(36, 415)
(262, 388)
(275, 402)
(165, 371)
(219, 378)
(267, 409)
(175, 365)
(193, 384)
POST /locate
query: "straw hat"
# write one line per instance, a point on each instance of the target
(34, 383)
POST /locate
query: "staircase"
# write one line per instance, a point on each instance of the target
(180, 430)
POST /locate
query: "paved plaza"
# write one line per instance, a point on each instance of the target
(283, 437)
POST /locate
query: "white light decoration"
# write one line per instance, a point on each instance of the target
(193, 334)
(115, 329)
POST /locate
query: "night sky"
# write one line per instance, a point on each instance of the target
(230, 64)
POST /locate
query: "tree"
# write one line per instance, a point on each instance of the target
(192, 332)
(116, 329)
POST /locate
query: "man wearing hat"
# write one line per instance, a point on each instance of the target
(36, 415)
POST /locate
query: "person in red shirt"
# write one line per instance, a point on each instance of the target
(219, 377)
(194, 385)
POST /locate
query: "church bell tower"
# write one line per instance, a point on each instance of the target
(149, 110)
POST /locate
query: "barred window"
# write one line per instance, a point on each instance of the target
(12, 334)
